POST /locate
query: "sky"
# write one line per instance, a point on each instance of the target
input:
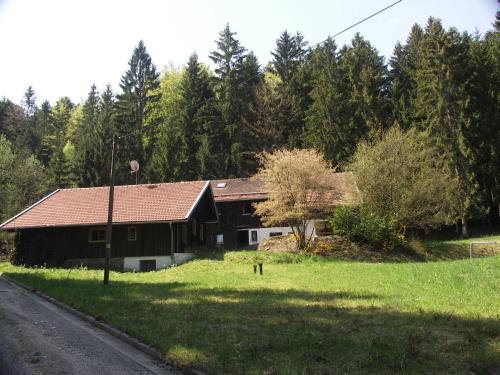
(63, 47)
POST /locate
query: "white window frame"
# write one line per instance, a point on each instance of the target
(256, 236)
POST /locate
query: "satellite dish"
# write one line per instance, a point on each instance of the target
(134, 166)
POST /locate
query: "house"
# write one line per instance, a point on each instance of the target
(153, 224)
(235, 199)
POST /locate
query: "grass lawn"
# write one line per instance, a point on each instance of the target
(310, 316)
(456, 249)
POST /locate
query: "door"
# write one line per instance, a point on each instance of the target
(242, 238)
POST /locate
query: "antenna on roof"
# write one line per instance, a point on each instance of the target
(134, 168)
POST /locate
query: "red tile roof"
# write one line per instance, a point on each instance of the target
(239, 189)
(132, 204)
(341, 189)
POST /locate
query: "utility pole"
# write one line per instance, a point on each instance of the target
(109, 228)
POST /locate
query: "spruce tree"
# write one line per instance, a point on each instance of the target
(482, 132)
(195, 91)
(402, 79)
(330, 128)
(289, 56)
(43, 130)
(137, 85)
(235, 76)
(367, 78)
(266, 122)
(290, 64)
(103, 135)
(60, 170)
(84, 141)
(211, 154)
(169, 152)
(30, 110)
(14, 125)
(442, 76)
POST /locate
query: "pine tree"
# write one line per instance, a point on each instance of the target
(290, 64)
(265, 125)
(169, 151)
(482, 132)
(330, 128)
(289, 55)
(103, 135)
(211, 154)
(14, 124)
(29, 102)
(43, 129)
(402, 79)
(366, 75)
(137, 84)
(195, 91)
(60, 170)
(59, 166)
(84, 141)
(235, 76)
(30, 111)
(443, 75)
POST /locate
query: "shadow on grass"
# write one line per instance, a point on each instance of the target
(229, 331)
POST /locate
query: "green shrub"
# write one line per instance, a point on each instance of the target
(360, 225)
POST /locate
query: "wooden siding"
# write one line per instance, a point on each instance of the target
(56, 245)
(231, 219)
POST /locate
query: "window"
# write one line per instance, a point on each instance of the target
(220, 239)
(132, 233)
(247, 209)
(97, 235)
(274, 234)
(221, 185)
(254, 236)
(147, 265)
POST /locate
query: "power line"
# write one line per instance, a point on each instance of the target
(314, 46)
(342, 31)
(367, 18)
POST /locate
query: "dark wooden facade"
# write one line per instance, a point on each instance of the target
(58, 244)
(234, 216)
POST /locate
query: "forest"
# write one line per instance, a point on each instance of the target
(197, 122)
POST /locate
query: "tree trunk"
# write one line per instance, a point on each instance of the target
(494, 212)
(465, 228)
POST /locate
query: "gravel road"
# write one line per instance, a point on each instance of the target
(37, 337)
